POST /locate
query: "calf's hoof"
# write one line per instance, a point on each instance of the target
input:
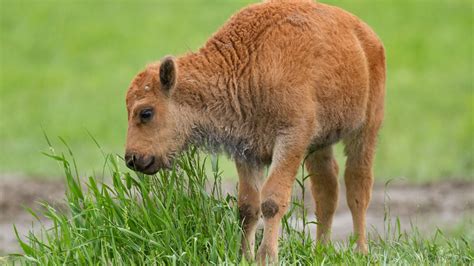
(267, 256)
(248, 254)
(362, 248)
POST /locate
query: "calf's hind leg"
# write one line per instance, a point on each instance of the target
(323, 170)
(250, 178)
(358, 176)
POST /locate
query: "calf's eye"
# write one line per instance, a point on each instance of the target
(146, 115)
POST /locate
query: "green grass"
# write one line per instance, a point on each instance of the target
(65, 66)
(171, 219)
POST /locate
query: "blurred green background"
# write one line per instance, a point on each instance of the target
(66, 65)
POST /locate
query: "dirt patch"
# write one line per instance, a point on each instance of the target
(427, 206)
(18, 193)
(445, 205)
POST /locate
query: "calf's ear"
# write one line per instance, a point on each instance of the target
(168, 73)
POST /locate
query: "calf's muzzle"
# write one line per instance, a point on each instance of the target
(140, 163)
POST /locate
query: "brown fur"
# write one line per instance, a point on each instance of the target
(280, 80)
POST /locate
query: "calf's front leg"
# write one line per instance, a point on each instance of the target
(250, 178)
(276, 193)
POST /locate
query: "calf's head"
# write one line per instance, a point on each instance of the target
(153, 136)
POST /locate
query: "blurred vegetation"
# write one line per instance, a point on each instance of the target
(65, 67)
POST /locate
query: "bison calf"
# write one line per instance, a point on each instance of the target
(280, 81)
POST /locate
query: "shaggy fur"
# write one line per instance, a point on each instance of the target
(281, 80)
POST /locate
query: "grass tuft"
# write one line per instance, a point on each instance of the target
(182, 217)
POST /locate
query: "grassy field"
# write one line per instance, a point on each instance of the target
(65, 67)
(171, 219)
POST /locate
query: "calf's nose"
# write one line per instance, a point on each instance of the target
(140, 163)
(130, 160)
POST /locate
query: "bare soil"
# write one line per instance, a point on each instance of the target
(428, 206)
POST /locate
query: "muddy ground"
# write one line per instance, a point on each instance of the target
(443, 205)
